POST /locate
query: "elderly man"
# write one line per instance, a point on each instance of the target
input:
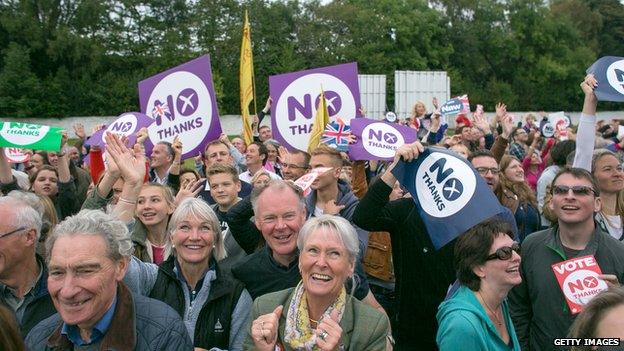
(279, 215)
(88, 258)
(23, 273)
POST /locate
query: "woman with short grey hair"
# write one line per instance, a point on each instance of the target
(213, 304)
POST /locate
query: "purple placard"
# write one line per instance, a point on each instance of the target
(182, 102)
(295, 97)
(378, 140)
(127, 124)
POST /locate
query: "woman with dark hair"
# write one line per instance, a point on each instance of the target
(476, 317)
(602, 317)
(515, 193)
(10, 338)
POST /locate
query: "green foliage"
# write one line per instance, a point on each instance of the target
(86, 57)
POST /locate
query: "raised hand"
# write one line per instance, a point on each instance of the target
(79, 131)
(131, 163)
(329, 332)
(501, 110)
(141, 136)
(435, 103)
(224, 139)
(190, 189)
(508, 125)
(177, 147)
(264, 329)
(481, 123)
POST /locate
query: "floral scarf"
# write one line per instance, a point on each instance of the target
(299, 333)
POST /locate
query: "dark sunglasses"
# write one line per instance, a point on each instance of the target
(505, 252)
(581, 190)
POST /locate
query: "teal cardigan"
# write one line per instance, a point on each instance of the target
(464, 325)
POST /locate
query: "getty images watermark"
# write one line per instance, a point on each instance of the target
(608, 343)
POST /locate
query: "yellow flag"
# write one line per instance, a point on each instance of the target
(246, 81)
(320, 121)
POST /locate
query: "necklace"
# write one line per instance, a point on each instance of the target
(497, 320)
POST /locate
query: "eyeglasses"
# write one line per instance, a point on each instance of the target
(485, 170)
(580, 190)
(12, 232)
(505, 252)
(293, 166)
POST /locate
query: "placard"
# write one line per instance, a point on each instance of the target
(578, 280)
(378, 140)
(296, 95)
(182, 103)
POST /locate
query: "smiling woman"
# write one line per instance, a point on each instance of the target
(476, 316)
(318, 313)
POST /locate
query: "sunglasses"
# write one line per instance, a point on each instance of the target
(505, 252)
(581, 190)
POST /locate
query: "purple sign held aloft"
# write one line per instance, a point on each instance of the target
(182, 103)
(378, 140)
(296, 95)
(127, 124)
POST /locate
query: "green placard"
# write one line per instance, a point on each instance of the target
(30, 136)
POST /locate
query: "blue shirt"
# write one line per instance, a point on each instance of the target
(99, 329)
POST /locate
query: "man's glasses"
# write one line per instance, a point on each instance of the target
(292, 166)
(580, 190)
(505, 252)
(12, 232)
(485, 170)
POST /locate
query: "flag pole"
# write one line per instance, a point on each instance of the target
(253, 74)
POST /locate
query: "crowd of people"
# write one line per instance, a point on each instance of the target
(115, 249)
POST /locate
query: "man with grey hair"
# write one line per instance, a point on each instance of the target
(88, 258)
(23, 273)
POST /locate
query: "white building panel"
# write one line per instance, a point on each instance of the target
(373, 94)
(412, 86)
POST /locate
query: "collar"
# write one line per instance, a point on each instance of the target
(39, 287)
(121, 333)
(279, 265)
(553, 241)
(72, 332)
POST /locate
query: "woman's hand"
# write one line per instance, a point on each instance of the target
(264, 329)
(332, 209)
(131, 164)
(589, 104)
(190, 189)
(329, 332)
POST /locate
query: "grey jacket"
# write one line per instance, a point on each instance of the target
(139, 323)
(538, 306)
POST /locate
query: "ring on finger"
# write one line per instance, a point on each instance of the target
(323, 334)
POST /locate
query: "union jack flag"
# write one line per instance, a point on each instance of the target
(160, 111)
(336, 135)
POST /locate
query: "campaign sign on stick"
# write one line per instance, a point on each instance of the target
(296, 95)
(306, 180)
(579, 282)
(609, 72)
(449, 194)
(548, 130)
(560, 122)
(378, 140)
(15, 155)
(455, 106)
(127, 124)
(30, 136)
(182, 102)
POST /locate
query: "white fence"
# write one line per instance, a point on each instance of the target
(412, 86)
(373, 94)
